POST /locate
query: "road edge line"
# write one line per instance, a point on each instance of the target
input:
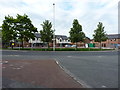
(82, 83)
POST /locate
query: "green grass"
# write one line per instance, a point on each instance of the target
(61, 49)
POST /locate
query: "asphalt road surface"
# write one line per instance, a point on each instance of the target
(91, 69)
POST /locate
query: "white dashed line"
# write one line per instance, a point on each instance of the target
(103, 86)
(13, 55)
(69, 56)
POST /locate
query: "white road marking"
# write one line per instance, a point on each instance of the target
(57, 62)
(3, 67)
(6, 62)
(13, 55)
(69, 56)
(103, 86)
(72, 75)
(17, 68)
(99, 56)
(24, 51)
(11, 65)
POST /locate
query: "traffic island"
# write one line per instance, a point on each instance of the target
(35, 74)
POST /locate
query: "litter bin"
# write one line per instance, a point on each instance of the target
(91, 45)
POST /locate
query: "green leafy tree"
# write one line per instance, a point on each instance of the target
(20, 27)
(25, 28)
(46, 32)
(99, 34)
(8, 31)
(76, 34)
(0, 32)
(0, 36)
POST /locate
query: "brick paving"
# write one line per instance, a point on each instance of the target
(39, 73)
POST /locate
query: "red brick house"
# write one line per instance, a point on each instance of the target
(113, 41)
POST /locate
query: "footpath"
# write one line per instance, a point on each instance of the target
(35, 74)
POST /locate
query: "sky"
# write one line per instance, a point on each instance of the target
(87, 12)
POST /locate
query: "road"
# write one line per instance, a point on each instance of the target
(91, 69)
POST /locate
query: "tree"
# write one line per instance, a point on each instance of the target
(25, 28)
(0, 32)
(46, 32)
(100, 34)
(76, 33)
(20, 27)
(0, 36)
(8, 30)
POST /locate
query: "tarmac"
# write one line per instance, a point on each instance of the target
(35, 74)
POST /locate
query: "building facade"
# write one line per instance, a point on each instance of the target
(113, 41)
(37, 42)
(60, 40)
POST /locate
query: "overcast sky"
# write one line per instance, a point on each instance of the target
(88, 13)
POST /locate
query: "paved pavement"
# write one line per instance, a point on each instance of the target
(36, 74)
(92, 69)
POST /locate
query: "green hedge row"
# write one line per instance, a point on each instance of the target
(61, 49)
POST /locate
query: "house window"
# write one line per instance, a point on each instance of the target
(33, 39)
(60, 40)
(103, 45)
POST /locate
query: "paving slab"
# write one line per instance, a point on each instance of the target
(35, 74)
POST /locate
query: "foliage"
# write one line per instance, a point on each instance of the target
(62, 49)
(25, 28)
(0, 36)
(0, 32)
(46, 33)
(20, 27)
(100, 34)
(76, 34)
(8, 30)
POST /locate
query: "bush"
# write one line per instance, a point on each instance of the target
(62, 49)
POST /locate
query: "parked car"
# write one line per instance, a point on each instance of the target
(70, 45)
(67, 45)
(73, 46)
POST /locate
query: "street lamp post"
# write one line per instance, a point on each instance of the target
(54, 26)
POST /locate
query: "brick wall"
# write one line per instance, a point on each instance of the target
(108, 43)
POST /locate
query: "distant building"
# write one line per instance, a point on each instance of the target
(83, 44)
(113, 41)
(37, 41)
(61, 40)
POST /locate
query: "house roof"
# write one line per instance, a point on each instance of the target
(61, 36)
(113, 36)
(37, 35)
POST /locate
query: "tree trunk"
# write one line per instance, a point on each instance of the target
(12, 45)
(22, 44)
(100, 45)
(48, 45)
(76, 45)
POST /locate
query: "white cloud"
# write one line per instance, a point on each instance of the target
(88, 12)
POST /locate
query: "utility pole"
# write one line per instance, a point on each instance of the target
(54, 26)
